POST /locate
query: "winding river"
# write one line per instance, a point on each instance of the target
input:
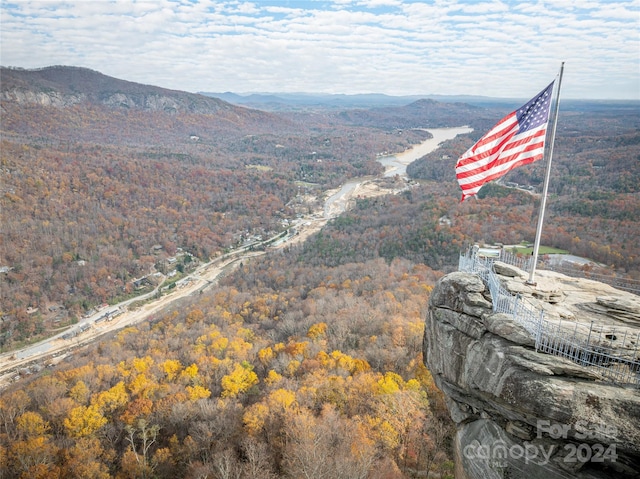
(396, 164)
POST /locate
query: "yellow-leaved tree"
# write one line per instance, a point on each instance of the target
(317, 331)
(171, 368)
(31, 424)
(111, 399)
(84, 421)
(197, 392)
(240, 380)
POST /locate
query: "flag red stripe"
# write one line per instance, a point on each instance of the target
(497, 159)
(512, 144)
(517, 149)
(497, 133)
(486, 178)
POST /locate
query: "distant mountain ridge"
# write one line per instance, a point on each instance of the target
(68, 85)
(422, 113)
(110, 109)
(287, 101)
(281, 101)
(67, 103)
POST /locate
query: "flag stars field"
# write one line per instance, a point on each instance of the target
(534, 113)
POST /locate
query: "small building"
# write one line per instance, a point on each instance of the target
(489, 252)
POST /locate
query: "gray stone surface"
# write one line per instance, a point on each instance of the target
(504, 326)
(503, 395)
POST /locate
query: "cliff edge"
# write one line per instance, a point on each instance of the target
(522, 413)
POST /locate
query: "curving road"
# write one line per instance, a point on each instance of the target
(337, 202)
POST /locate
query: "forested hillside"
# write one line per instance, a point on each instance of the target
(96, 194)
(305, 362)
(426, 113)
(285, 370)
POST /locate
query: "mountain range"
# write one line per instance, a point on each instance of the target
(90, 106)
(66, 86)
(110, 109)
(316, 101)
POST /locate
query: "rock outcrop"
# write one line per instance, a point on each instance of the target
(62, 87)
(525, 414)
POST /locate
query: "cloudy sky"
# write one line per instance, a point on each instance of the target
(398, 47)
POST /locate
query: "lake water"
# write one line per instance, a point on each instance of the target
(397, 164)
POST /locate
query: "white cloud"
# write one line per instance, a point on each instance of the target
(343, 46)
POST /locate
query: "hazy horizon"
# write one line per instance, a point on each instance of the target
(393, 47)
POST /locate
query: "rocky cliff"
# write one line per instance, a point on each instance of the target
(521, 413)
(64, 86)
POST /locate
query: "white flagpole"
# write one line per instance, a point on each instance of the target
(543, 201)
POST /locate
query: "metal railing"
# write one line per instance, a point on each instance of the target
(588, 346)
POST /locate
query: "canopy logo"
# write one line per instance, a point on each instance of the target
(537, 452)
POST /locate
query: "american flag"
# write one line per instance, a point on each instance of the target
(517, 139)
